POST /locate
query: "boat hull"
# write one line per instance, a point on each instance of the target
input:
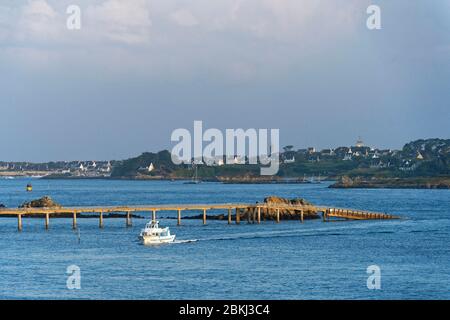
(152, 240)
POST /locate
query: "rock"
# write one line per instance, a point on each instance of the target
(293, 202)
(2, 206)
(309, 210)
(344, 182)
(44, 202)
(394, 183)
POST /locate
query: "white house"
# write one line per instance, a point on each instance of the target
(290, 160)
(238, 160)
(347, 157)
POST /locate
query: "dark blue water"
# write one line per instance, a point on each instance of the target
(314, 260)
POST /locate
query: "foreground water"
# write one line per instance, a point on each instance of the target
(314, 260)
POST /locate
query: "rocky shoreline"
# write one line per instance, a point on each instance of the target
(392, 183)
(224, 180)
(344, 182)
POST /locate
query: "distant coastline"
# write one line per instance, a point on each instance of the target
(421, 164)
(336, 182)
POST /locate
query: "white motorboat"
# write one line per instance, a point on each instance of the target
(153, 234)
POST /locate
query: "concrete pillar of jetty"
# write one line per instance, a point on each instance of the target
(19, 222)
(128, 221)
(153, 215)
(238, 216)
(249, 214)
(47, 221)
(74, 220)
(324, 215)
(100, 220)
(254, 215)
(204, 216)
(179, 217)
(301, 216)
(229, 215)
(278, 215)
(259, 215)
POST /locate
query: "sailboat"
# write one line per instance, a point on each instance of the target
(312, 180)
(304, 179)
(194, 179)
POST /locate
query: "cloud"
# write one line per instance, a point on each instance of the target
(5, 26)
(123, 21)
(35, 21)
(184, 18)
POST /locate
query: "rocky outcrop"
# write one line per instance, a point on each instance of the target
(286, 213)
(290, 209)
(393, 183)
(44, 202)
(293, 202)
(345, 182)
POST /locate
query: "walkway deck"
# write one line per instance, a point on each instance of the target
(327, 212)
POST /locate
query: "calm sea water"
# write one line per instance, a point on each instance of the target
(314, 260)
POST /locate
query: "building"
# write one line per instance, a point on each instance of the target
(148, 168)
(359, 143)
(289, 160)
(327, 152)
(238, 160)
(347, 157)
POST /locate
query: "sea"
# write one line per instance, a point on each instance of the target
(407, 258)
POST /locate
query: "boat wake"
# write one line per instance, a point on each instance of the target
(185, 241)
(321, 231)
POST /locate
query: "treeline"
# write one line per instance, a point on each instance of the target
(429, 157)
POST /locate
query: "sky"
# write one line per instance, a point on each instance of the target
(139, 69)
